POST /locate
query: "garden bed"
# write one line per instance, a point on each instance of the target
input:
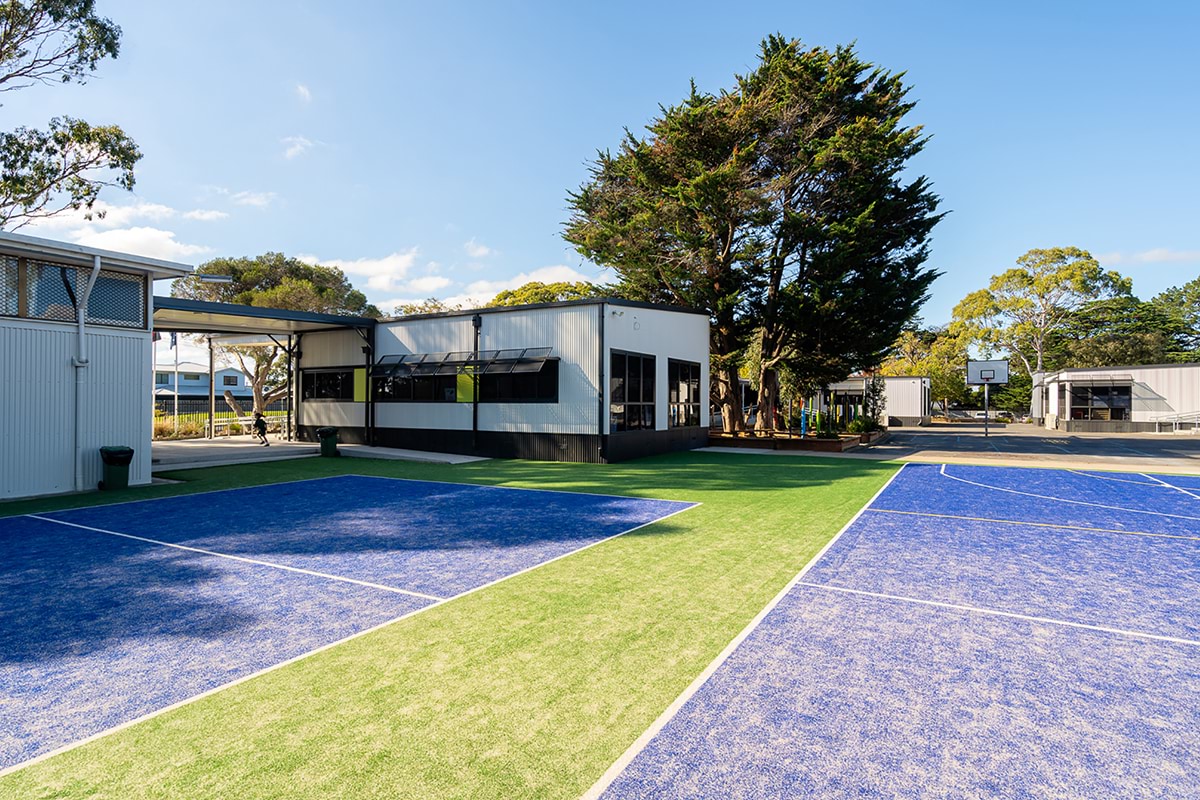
(783, 441)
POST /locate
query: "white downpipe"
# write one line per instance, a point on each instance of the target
(80, 362)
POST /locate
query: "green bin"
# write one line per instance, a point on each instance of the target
(328, 439)
(116, 467)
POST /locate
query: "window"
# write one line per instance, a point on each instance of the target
(40, 290)
(229, 380)
(631, 392)
(683, 394)
(191, 376)
(162, 377)
(1101, 403)
(416, 389)
(327, 384)
(521, 387)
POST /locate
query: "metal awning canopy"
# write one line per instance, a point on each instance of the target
(177, 315)
(488, 362)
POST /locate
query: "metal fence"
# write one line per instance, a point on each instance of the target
(192, 420)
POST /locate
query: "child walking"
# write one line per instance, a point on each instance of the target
(260, 428)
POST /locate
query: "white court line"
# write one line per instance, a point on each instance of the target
(667, 715)
(1034, 524)
(1172, 486)
(256, 561)
(1064, 500)
(314, 651)
(997, 613)
(1106, 478)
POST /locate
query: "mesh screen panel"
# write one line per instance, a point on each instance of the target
(8, 286)
(117, 298)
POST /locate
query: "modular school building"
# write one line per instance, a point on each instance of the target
(1159, 397)
(592, 380)
(589, 380)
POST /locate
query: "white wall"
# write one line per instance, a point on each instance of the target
(571, 331)
(906, 397)
(1157, 391)
(664, 335)
(37, 386)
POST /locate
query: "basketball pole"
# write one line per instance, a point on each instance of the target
(986, 411)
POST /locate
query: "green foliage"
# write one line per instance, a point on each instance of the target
(1023, 308)
(939, 354)
(1181, 305)
(43, 173)
(273, 280)
(1116, 331)
(429, 306)
(874, 402)
(778, 208)
(538, 292)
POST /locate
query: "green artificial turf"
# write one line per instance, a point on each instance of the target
(529, 688)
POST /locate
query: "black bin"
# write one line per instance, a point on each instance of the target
(116, 467)
(328, 439)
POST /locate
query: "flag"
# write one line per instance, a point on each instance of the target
(172, 340)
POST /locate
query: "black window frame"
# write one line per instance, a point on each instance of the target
(1101, 403)
(683, 412)
(229, 380)
(310, 378)
(626, 415)
(405, 389)
(539, 387)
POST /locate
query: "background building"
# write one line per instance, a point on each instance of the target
(906, 399)
(1122, 399)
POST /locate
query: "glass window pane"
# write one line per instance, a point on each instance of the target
(633, 386)
(647, 379)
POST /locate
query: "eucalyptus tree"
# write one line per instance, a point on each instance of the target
(273, 280)
(64, 166)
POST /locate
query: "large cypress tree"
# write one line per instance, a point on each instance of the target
(780, 208)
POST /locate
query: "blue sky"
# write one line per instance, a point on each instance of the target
(428, 149)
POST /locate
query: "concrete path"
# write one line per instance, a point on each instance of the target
(225, 450)
(1026, 446)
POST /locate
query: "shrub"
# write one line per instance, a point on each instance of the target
(234, 428)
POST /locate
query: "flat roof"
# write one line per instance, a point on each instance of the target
(589, 301)
(1126, 368)
(176, 314)
(79, 255)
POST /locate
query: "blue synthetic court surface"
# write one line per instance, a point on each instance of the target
(976, 632)
(103, 621)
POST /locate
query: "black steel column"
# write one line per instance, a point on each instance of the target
(476, 323)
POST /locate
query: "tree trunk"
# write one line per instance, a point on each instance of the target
(233, 404)
(768, 399)
(729, 398)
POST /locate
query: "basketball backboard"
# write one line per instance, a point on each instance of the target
(987, 372)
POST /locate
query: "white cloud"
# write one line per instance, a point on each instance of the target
(478, 293)
(476, 250)
(142, 241)
(107, 215)
(205, 215)
(295, 146)
(303, 93)
(1156, 255)
(385, 274)
(256, 199)
(426, 285)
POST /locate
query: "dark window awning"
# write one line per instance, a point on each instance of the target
(487, 362)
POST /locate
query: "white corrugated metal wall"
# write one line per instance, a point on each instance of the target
(664, 335)
(571, 331)
(331, 349)
(38, 401)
